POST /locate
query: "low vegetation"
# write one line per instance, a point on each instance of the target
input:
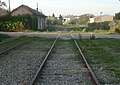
(105, 52)
(4, 37)
(21, 39)
(12, 43)
(18, 23)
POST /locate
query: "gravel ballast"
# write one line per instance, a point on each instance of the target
(18, 66)
(63, 67)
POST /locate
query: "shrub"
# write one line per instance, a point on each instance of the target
(98, 26)
(18, 23)
(117, 30)
(12, 26)
(92, 36)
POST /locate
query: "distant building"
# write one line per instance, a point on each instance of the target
(3, 12)
(101, 18)
(68, 18)
(23, 9)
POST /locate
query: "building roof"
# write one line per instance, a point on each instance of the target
(71, 17)
(103, 16)
(33, 11)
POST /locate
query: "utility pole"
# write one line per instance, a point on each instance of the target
(100, 16)
(37, 6)
(39, 20)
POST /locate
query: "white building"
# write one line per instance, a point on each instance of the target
(68, 18)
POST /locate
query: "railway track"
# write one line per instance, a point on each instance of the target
(17, 64)
(60, 66)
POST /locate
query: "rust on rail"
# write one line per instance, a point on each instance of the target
(92, 75)
(42, 64)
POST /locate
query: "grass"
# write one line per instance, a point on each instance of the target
(103, 51)
(19, 40)
(4, 37)
(12, 43)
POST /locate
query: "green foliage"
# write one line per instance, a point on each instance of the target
(12, 26)
(117, 16)
(76, 21)
(17, 23)
(3, 37)
(84, 19)
(53, 15)
(118, 24)
(103, 51)
(60, 19)
(12, 42)
(92, 37)
(98, 26)
(115, 28)
(66, 29)
(53, 21)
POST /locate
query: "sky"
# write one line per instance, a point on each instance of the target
(70, 7)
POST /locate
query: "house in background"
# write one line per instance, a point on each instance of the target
(101, 18)
(3, 12)
(23, 9)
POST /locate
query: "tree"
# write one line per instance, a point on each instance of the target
(84, 19)
(52, 20)
(2, 4)
(60, 19)
(75, 21)
(53, 15)
(117, 16)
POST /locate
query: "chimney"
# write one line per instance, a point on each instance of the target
(37, 7)
(9, 5)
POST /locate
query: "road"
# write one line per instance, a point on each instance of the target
(65, 36)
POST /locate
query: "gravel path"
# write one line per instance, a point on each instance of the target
(63, 67)
(18, 66)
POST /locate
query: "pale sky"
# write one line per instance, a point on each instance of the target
(70, 7)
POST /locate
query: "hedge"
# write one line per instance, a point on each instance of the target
(18, 23)
(99, 26)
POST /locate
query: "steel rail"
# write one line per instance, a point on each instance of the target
(7, 50)
(42, 64)
(92, 75)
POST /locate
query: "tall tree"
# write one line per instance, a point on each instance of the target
(85, 18)
(53, 15)
(2, 4)
(117, 16)
(60, 19)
